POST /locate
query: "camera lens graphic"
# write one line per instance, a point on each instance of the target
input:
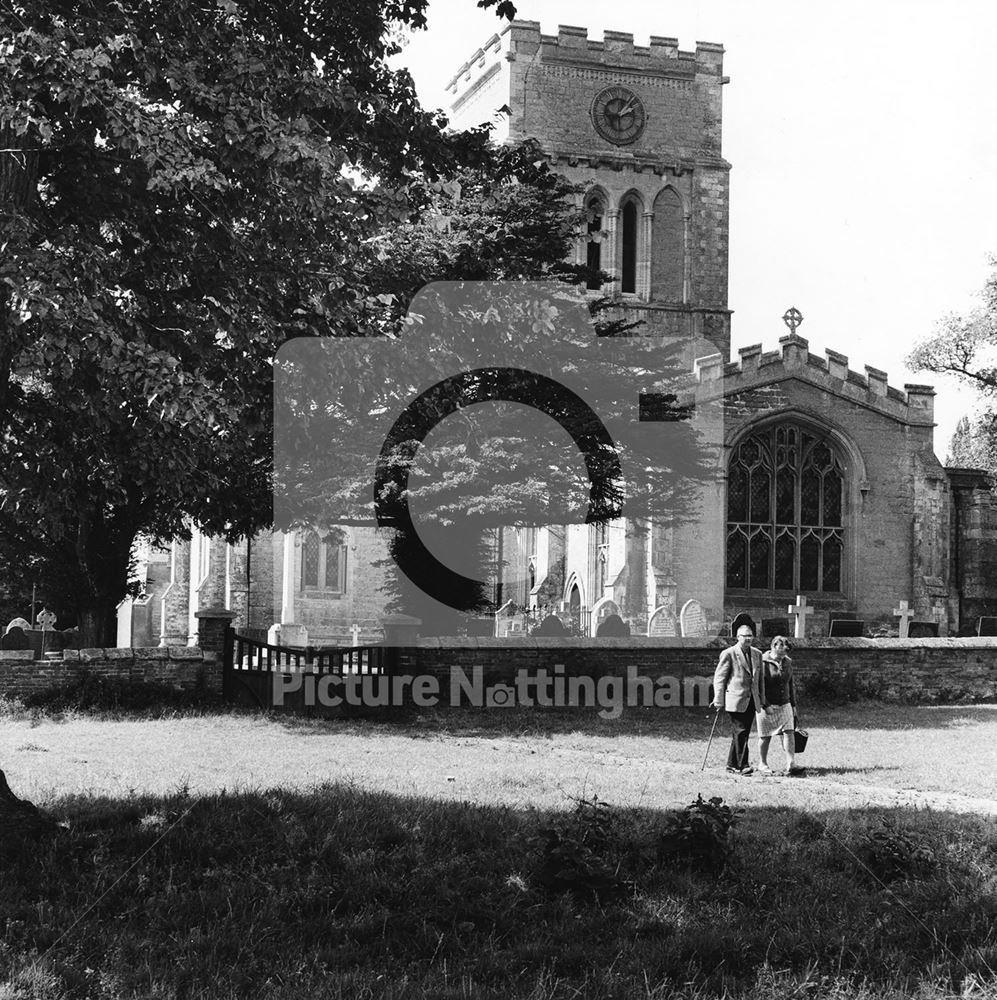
(484, 385)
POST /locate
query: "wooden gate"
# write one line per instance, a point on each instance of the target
(284, 678)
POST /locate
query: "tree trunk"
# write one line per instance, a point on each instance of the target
(98, 625)
(19, 819)
(18, 184)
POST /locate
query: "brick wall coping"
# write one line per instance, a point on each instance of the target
(95, 655)
(691, 642)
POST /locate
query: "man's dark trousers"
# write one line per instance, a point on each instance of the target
(740, 727)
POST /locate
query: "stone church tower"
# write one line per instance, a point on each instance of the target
(639, 127)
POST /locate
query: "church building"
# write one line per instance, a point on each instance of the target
(829, 486)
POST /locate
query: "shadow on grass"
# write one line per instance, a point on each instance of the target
(346, 893)
(826, 771)
(682, 724)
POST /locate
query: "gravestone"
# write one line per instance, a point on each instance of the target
(772, 627)
(905, 614)
(743, 619)
(845, 628)
(692, 619)
(923, 630)
(551, 626)
(662, 622)
(986, 626)
(20, 623)
(15, 638)
(800, 611)
(612, 627)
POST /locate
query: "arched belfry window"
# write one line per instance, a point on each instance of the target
(668, 248)
(785, 512)
(595, 209)
(628, 247)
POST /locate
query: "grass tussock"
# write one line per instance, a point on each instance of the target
(343, 893)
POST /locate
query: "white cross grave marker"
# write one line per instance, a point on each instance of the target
(355, 635)
(905, 615)
(45, 621)
(800, 611)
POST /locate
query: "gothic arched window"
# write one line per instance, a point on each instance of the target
(785, 508)
(668, 248)
(593, 259)
(323, 563)
(628, 247)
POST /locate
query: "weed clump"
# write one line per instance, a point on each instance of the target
(892, 853)
(589, 855)
(700, 835)
(581, 855)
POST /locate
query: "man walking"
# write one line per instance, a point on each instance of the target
(736, 686)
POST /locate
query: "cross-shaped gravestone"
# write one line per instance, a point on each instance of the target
(800, 611)
(355, 635)
(905, 615)
(46, 619)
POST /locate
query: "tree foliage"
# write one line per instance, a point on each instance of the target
(183, 187)
(974, 442)
(966, 347)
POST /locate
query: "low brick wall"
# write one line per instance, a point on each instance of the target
(182, 667)
(897, 670)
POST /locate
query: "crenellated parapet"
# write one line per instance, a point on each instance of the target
(754, 366)
(661, 56)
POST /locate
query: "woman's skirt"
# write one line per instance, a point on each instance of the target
(774, 720)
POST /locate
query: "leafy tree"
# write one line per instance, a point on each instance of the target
(974, 442)
(966, 347)
(182, 190)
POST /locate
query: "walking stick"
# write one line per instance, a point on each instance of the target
(716, 719)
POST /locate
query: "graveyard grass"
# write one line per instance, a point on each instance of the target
(224, 855)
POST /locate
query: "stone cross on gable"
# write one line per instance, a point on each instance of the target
(905, 615)
(792, 317)
(800, 611)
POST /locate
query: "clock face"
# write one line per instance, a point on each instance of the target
(618, 115)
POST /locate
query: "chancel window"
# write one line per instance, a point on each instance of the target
(323, 563)
(785, 510)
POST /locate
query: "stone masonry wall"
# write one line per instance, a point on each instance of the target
(183, 667)
(895, 670)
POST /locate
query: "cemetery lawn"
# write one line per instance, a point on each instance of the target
(228, 855)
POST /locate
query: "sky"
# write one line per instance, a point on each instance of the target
(863, 140)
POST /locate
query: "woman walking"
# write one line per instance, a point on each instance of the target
(778, 714)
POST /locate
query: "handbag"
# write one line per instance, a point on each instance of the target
(800, 737)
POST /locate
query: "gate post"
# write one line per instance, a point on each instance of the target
(401, 633)
(215, 635)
